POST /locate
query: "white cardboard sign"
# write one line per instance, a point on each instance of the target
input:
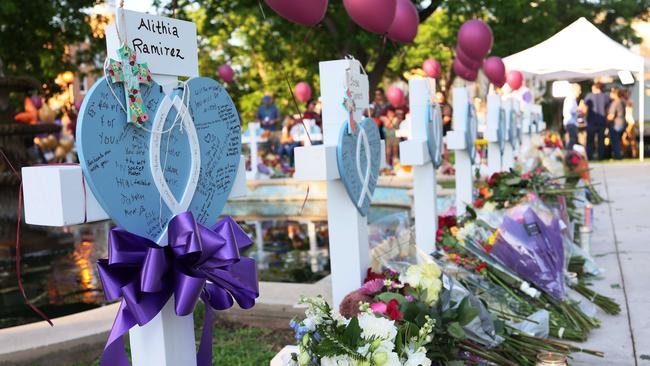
(159, 41)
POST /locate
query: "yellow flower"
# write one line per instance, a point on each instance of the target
(425, 277)
(493, 238)
(454, 230)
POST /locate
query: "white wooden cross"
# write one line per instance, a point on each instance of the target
(456, 141)
(414, 152)
(527, 127)
(348, 230)
(253, 138)
(52, 193)
(494, 114)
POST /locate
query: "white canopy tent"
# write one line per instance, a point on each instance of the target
(581, 51)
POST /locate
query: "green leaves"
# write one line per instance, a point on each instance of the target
(466, 312)
(352, 333)
(456, 330)
(388, 296)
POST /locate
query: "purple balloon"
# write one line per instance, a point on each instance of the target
(475, 38)
(372, 15)
(305, 12)
(467, 60)
(463, 71)
(226, 73)
(432, 68)
(36, 101)
(406, 22)
(527, 96)
(495, 70)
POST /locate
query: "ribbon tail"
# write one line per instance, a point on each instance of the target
(114, 353)
(204, 355)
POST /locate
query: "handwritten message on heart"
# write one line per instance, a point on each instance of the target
(185, 159)
(513, 134)
(358, 154)
(471, 132)
(502, 131)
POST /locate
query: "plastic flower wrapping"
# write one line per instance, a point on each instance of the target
(533, 249)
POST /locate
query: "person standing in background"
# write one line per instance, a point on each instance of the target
(268, 115)
(310, 113)
(616, 118)
(570, 115)
(446, 110)
(379, 103)
(630, 140)
(597, 103)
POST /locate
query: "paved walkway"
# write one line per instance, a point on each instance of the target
(621, 246)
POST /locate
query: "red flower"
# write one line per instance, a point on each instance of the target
(479, 203)
(526, 175)
(393, 310)
(575, 159)
(481, 267)
(439, 234)
(538, 170)
(446, 221)
(446, 248)
(370, 275)
(493, 179)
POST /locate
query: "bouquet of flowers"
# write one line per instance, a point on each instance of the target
(413, 318)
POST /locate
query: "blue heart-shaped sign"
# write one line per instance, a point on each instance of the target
(434, 133)
(358, 155)
(184, 159)
(513, 133)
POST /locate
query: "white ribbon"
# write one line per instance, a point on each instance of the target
(157, 172)
(365, 179)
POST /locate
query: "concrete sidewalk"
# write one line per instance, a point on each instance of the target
(621, 246)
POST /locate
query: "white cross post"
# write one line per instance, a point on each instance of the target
(456, 141)
(492, 133)
(508, 159)
(252, 139)
(167, 340)
(526, 126)
(348, 230)
(414, 152)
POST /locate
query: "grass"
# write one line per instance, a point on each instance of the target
(238, 345)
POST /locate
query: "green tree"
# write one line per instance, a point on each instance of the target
(34, 36)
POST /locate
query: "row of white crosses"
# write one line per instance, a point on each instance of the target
(53, 198)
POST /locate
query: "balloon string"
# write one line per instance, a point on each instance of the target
(18, 262)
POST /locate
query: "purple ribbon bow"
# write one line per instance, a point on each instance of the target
(198, 263)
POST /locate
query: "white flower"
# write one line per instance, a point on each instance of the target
(466, 231)
(339, 360)
(425, 277)
(339, 319)
(489, 207)
(372, 326)
(417, 358)
(393, 360)
(310, 324)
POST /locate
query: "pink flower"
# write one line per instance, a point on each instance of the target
(373, 286)
(379, 307)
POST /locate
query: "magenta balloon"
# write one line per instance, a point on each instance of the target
(515, 79)
(226, 73)
(395, 96)
(406, 22)
(432, 68)
(372, 15)
(305, 12)
(494, 70)
(475, 38)
(463, 71)
(302, 90)
(467, 60)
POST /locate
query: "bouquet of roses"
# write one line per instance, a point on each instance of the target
(577, 169)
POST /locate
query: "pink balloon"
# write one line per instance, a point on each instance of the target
(406, 22)
(226, 73)
(467, 60)
(395, 96)
(515, 79)
(302, 90)
(495, 70)
(372, 15)
(475, 38)
(431, 67)
(463, 71)
(305, 12)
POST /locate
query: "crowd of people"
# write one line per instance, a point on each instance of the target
(288, 132)
(601, 122)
